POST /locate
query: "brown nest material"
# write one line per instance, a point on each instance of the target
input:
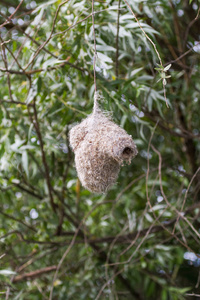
(100, 148)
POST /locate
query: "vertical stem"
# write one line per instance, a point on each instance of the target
(95, 50)
(4, 58)
(117, 42)
(94, 63)
(48, 180)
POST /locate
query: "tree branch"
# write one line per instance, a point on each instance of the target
(48, 180)
(34, 274)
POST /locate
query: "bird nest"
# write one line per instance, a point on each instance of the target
(100, 148)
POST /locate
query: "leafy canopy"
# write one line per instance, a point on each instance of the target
(141, 239)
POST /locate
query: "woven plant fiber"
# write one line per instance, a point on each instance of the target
(100, 148)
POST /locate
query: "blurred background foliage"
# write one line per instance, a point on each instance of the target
(141, 239)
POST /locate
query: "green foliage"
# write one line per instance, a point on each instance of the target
(141, 239)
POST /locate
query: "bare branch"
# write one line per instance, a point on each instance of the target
(34, 274)
(12, 15)
(48, 180)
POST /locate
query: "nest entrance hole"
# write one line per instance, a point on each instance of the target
(127, 152)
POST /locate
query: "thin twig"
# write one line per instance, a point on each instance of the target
(188, 28)
(82, 20)
(41, 70)
(34, 274)
(182, 55)
(37, 127)
(13, 102)
(6, 66)
(71, 245)
(180, 214)
(189, 185)
(11, 53)
(16, 220)
(94, 62)
(117, 42)
(12, 15)
(51, 33)
(153, 44)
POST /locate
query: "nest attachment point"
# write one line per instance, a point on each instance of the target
(100, 148)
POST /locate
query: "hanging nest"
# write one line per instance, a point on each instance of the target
(100, 148)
